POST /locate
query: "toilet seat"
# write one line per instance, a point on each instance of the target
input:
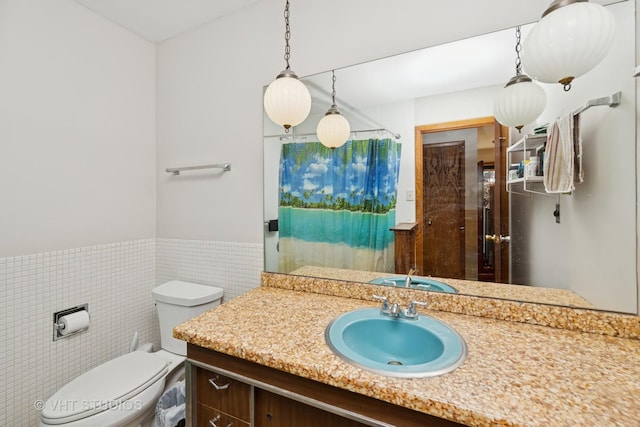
(112, 385)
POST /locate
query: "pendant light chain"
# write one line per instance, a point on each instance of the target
(518, 50)
(287, 100)
(333, 86)
(333, 129)
(287, 35)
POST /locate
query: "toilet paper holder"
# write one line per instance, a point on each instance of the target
(58, 327)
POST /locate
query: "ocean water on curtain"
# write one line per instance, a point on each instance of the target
(353, 229)
(336, 206)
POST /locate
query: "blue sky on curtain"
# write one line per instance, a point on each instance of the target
(336, 206)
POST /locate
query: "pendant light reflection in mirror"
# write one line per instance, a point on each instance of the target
(521, 101)
(333, 129)
(571, 38)
(287, 100)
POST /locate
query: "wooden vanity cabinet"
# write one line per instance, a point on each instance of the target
(223, 400)
(405, 246)
(273, 410)
(210, 417)
(259, 396)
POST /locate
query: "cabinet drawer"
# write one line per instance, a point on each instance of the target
(209, 417)
(225, 394)
(273, 410)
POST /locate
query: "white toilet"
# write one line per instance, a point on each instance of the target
(124, 391)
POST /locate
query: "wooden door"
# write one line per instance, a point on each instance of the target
(500, 204)
(500, 212)
(443, 211)
(486, 210)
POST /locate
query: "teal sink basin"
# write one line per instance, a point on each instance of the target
(395, 346)
(416, 283)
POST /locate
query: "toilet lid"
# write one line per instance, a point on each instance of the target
(104, 387)
(186, 294)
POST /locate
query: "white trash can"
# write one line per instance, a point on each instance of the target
(171, 408)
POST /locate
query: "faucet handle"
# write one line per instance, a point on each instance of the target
(385, 309)
(411, 312)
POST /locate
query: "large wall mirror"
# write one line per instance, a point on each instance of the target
(440, 100)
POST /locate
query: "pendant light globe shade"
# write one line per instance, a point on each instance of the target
(568, 41)
(519, 103)
(287, 100)
(333, 129)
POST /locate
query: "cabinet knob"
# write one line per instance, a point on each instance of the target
(212, 381)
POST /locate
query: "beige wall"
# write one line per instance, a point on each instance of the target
(77, 129)
(210, 84)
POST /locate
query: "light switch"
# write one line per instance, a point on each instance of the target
(411, 195)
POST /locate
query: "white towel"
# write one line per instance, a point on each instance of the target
(563, 156)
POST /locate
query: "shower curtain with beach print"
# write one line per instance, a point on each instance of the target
(336, 205)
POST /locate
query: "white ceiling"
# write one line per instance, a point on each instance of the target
(475, 62)
(158, 20)
(469, 63)
(485, 60)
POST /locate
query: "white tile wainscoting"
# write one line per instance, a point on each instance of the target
(234, 267)
(116, 280)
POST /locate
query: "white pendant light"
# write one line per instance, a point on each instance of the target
(333, 129)
(521, 101)
(287, 100)
(572, 37)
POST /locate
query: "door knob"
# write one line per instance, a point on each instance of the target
(498, 239)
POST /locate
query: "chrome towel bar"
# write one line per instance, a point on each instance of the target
(226, 167)
(611, 101)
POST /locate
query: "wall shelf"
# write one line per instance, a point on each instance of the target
(522, 150)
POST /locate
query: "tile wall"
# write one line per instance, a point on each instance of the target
(116, 281)
(234, 267)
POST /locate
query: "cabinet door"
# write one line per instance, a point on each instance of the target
(209, 417)
(272, 410)
(225, 394)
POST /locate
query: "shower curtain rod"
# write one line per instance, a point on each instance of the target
(286, 135)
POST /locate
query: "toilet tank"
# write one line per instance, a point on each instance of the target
(177, 302)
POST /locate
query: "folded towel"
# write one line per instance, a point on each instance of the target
(563, 156)
(578, 173)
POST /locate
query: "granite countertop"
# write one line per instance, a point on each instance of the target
(516, 374)
(535, 294)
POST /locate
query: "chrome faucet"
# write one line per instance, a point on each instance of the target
(407, 280)
(394, 310)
